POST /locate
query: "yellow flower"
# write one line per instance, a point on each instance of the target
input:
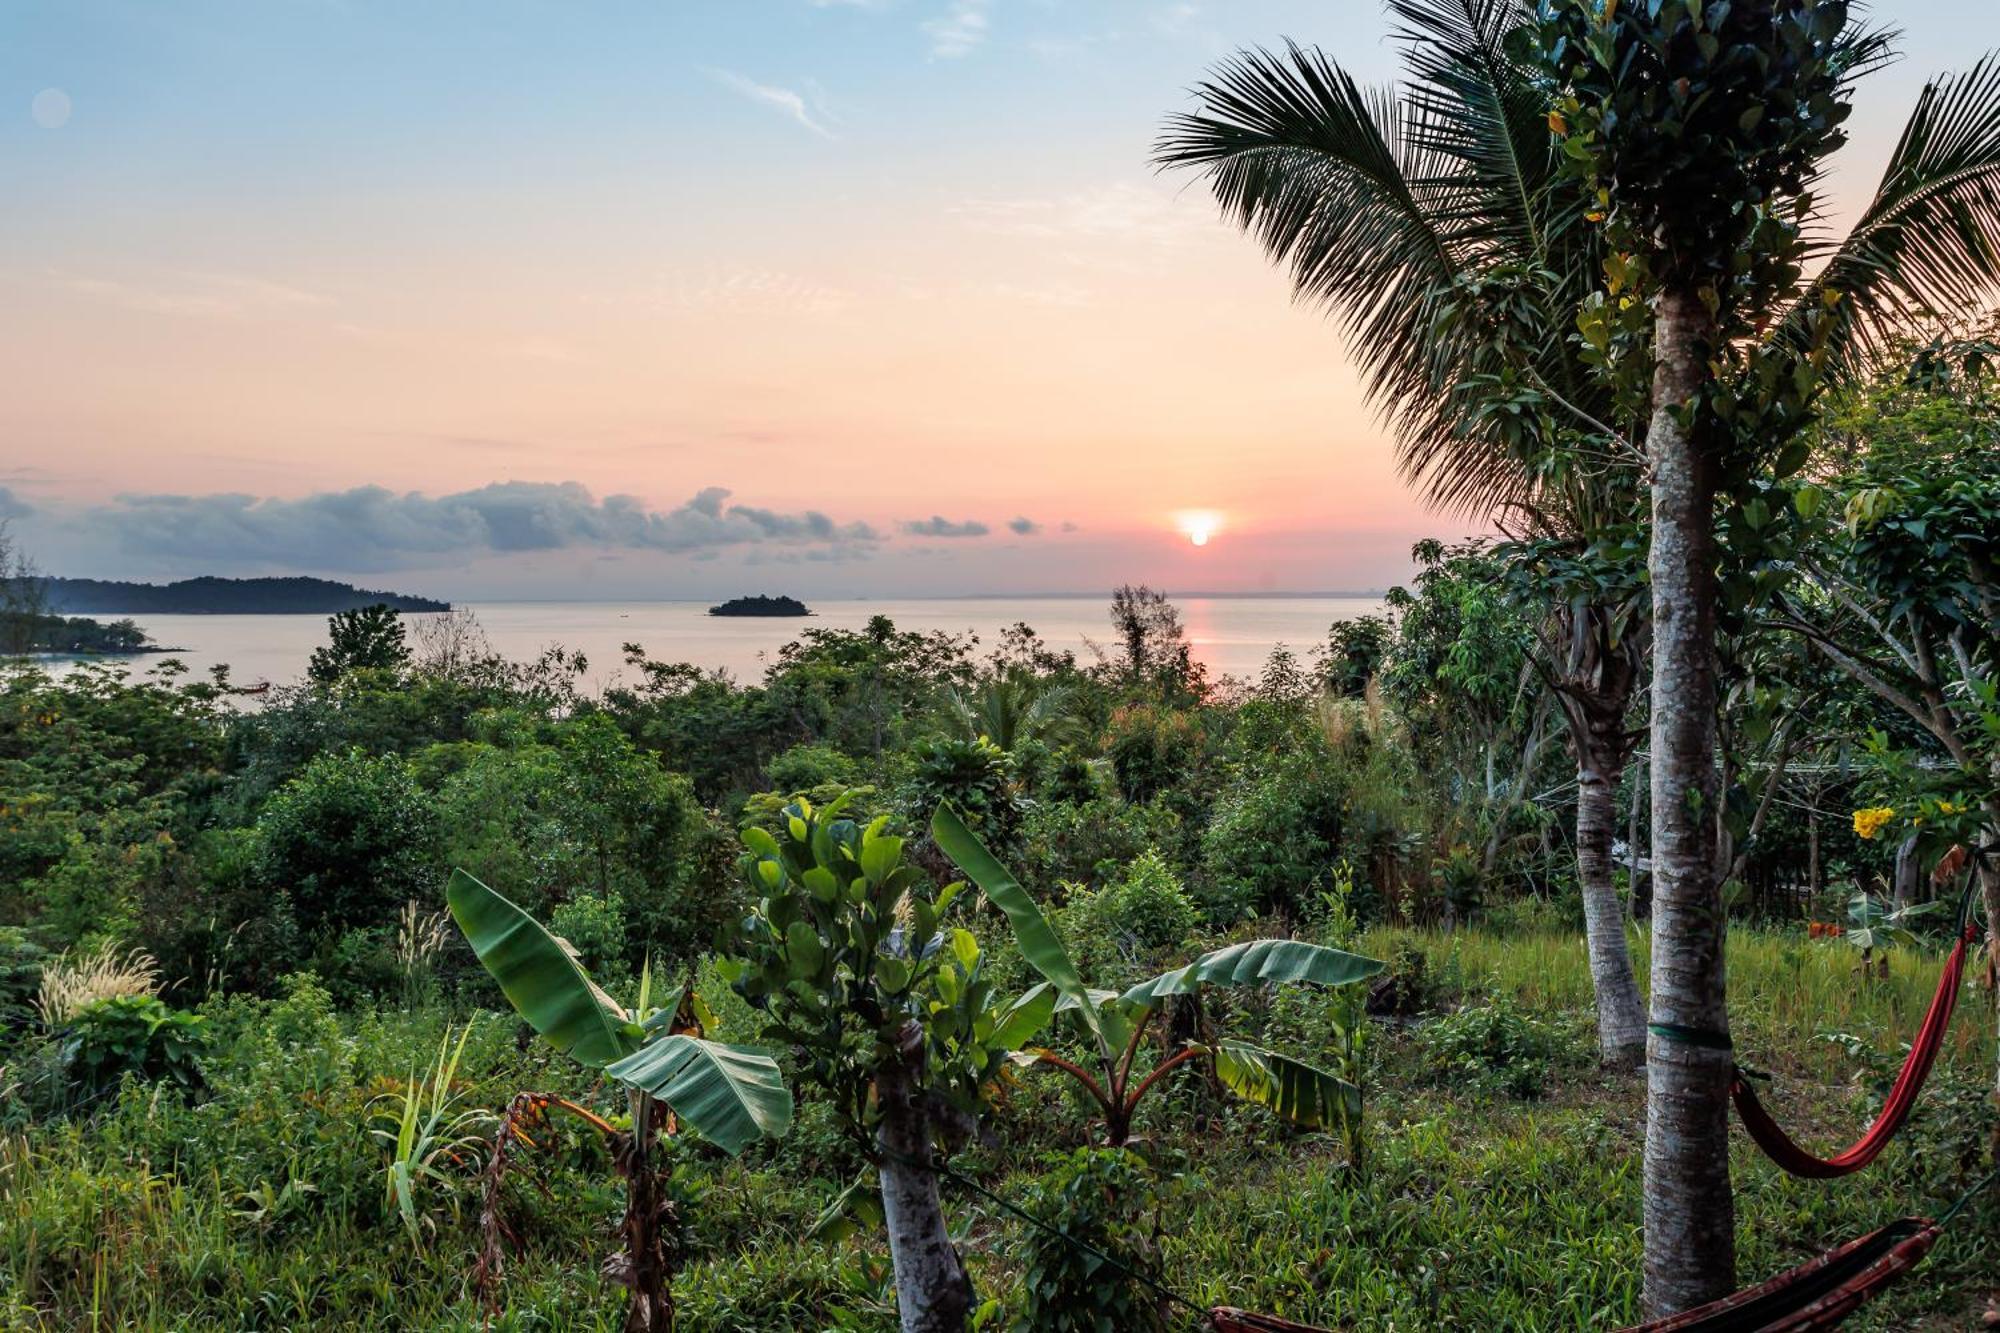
(1947, 808)
(1869, 822)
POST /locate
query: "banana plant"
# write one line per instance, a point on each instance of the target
(1114, 1024)
(730, 1095)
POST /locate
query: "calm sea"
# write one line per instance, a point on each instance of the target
(1230, 635)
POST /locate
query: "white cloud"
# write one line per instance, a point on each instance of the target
(1174, 19)
(959, 30)
(1122, 212)
(742, 289)
(783, 100)
(202, 295)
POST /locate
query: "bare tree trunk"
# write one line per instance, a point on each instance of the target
(1690, 1220)
(645, 1265)
(933, 1294)
(1642, 903)
(1621, 1018)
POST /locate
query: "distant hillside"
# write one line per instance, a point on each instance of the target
(214, 596)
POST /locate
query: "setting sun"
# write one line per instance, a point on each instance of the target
(1198, 524)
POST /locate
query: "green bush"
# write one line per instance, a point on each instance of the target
(974, 777)
(1089, 843)
(131, 1034)
(349, 840)
(1271, 844)
(1495, 1047)
(1105, 1199)
(20, 974)
(1137, 915)
(803, 768)
(595, 928)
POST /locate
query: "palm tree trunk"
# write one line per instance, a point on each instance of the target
(1642, 902)
(1690, 1220)
(933, 1294)
(1621, 1017)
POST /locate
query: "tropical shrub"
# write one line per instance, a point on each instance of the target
(1141, 912)
(348, 842)
(1096, 1201)
(130, 1034)
(1495, 1047)
(848, 953)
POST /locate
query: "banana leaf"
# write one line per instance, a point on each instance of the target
(1288, 1088)
(541, 977)
(1252, 963)
(731, 1094)
(1037, 939)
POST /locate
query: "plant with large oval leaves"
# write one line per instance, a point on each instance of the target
(1115, 1024)
(731, 1095)
(849, 954)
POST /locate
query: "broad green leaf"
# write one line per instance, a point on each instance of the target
(1023, 1020)
(1038, 941)
(879, 856)
(540, 975)
(1288, 1088)
(1255, 962)
(731, 1094)
(853, 1208)
(806, 952)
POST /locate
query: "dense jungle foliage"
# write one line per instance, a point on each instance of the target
(251, 1072)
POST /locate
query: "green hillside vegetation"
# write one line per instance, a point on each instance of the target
(208, 595)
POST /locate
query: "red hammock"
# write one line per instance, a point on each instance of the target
(1778, 1145)
(1818, 1294)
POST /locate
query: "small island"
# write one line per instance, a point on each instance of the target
(760, 606)
(220, 596)
(24, 633)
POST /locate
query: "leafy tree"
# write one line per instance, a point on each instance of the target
(24, 600)
(369, 638)
(1901, 579)
(1155, 645)
(1353, 653)
(573, 807)
(848, 955)
(1699, 130)
(348, 842)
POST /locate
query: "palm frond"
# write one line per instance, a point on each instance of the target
(1389, 210)
(1315, 168)
(1928, 244)
(1471, 105)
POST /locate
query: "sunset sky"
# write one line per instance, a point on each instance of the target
(541, 299)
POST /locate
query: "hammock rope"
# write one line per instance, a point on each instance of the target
(1780, 1146)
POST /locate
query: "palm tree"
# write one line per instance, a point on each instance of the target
(1439, 226)
(1010, 709)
